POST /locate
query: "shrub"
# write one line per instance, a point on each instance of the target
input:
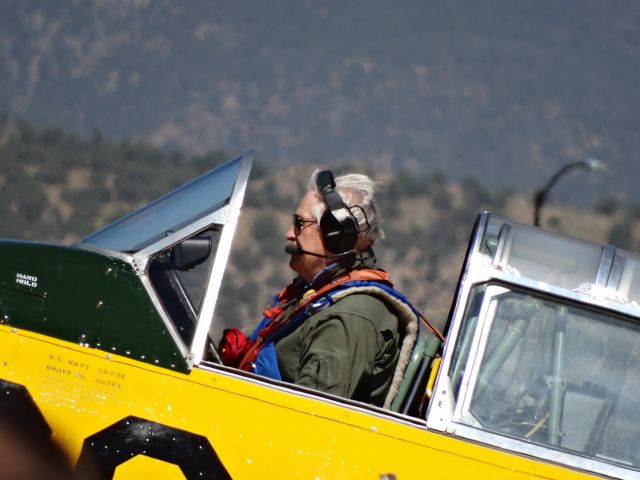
(621, 235)
(606, 206)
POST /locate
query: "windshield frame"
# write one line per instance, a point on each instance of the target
(223, 215)
(483, 268)
(463, 420)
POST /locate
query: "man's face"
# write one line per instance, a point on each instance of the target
(309, 238)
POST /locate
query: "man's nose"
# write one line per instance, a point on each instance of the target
(290, 235)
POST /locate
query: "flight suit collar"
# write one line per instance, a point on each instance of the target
(363, 259)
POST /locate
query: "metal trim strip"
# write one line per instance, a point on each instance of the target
(218, 268)
(606, 262)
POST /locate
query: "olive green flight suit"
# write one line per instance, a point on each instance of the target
(348, 349)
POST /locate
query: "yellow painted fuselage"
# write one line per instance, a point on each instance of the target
(257, 430)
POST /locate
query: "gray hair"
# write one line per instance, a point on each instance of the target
(355, 189)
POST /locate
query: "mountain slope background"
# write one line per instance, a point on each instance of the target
(504, 92)
(59, 186)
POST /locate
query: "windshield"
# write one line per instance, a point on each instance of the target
(170, 212)
(556, 374)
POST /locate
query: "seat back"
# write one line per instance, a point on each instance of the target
(413, 386)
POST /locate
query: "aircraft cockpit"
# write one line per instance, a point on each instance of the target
(544, 348)
(543, 338)
(537, 377)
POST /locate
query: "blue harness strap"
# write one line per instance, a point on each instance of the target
(267, 362)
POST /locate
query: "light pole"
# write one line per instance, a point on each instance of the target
(590, 164)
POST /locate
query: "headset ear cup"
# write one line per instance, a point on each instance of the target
(339, 235)
(349, 236)
(330, 229)
(338, 226)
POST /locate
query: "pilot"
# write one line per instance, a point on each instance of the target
(340, 327)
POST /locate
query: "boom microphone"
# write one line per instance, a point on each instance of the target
(292, 249)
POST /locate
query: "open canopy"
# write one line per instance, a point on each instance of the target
(171, 212)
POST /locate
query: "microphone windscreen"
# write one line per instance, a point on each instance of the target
(292, 249)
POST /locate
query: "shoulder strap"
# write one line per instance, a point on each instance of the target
(277, 324)
(379, 276)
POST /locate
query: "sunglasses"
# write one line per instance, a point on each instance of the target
(299, 223)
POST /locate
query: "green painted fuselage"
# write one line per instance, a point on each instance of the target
(84, 297)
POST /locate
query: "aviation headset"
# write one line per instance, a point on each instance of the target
(338, 226)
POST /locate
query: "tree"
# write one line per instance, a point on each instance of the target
(606, 206)
(621, 235)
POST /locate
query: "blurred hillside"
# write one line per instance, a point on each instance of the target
(502, 91)
(59, 186)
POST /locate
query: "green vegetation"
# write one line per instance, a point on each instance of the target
(506, 91)
(58, 186)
